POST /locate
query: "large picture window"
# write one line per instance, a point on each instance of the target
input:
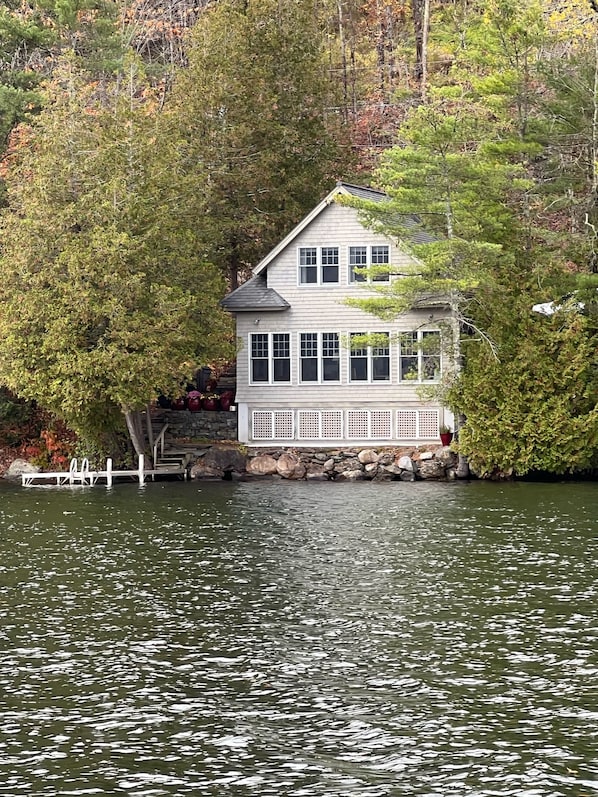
(420, 356)
(374, 258)
(271, 357)
(319, 354)
(369, 360)
(318, 265)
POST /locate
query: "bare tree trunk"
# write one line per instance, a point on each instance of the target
(135, 428)
(343, 46)
(421, 25)
(462, 471)
(593, 198)
(424, 55)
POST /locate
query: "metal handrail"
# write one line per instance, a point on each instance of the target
(159, 443)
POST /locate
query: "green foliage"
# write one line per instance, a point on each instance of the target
(251, 109)
(105, 301)
(535, 409)
(16, 418)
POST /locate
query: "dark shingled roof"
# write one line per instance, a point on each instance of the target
(254, 295)
(363, 192)
(412, 223)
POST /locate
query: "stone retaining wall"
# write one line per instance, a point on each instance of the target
(205, 425)
(356, 464)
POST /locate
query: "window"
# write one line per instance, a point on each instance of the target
(319, 354)
(376, 257)
(419, 356)
(318, 265)
(369, 363)
(270, 357)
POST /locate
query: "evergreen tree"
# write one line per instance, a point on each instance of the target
(104, 299)
(254, 111)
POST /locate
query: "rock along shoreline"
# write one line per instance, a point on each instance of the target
(411, 464)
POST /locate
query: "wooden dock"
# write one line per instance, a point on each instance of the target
(82, 475)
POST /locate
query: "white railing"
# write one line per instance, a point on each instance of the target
(159, 445)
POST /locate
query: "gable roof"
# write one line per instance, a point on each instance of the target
(340, 188)
(417, 234)
(254, 295)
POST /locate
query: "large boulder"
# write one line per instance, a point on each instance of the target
(350, 463)
(367, 456)
(205, 472)
(262, 465)
(286, 465)
(316, 473)
(19, 466)
(351, 476)
(226, 459)
(432, 469)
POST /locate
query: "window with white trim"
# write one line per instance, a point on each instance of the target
(420, 356)
(369, 363)
(319, 357)
(270, 357)
(369, 257)
(318, 265)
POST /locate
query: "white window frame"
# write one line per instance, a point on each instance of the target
(270, 358)
(370, 356)
(368, 279)
(318, 265)
(319, 357)
(420, 356)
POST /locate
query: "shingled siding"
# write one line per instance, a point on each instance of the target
(203, 425)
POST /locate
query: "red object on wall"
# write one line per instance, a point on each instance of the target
(194, 402)
(210, 403)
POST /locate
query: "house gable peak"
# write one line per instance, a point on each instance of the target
(363, 192)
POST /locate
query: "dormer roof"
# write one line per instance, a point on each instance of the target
(254, 296)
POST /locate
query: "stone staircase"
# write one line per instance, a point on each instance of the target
(174, 457)
(170, 459)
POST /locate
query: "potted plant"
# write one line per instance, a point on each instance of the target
(226, 399)
(445, 435)
(194, 400)
(210, 401)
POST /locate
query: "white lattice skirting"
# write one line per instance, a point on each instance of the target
(338, 425)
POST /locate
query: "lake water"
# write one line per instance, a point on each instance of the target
(299, 640)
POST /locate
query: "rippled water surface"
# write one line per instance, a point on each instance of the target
(299, 640)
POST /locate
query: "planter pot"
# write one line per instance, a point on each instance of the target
(210, 404)
(179, 404)
(225, 402)
(446, 438)
(194, 403)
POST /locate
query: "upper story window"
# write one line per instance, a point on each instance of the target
(370, 363)
(376, 258)
(270, 357)
(420, 356)
(319, 355)
(318, 265)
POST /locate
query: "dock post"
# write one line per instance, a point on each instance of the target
(109, 472)
(141, 469)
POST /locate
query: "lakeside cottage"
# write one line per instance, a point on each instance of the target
(300, 381)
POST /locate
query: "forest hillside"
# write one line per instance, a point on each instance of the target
(152, 151)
